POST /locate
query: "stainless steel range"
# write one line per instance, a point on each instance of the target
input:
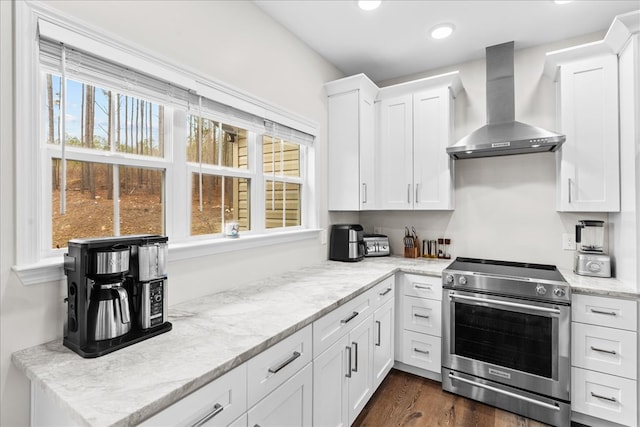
(506, 337)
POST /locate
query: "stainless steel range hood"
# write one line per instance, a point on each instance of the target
(503, 135)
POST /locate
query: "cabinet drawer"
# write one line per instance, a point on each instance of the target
(384, 291)
(222, 401)
(607, 350)
(422, 351)
(421, 315)
(329, 328)
(604, 396)
(422, 286)
(601, 311)
(274, 366)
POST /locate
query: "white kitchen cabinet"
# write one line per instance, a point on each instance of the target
(604, 359)
(289, 405)
(588, 170)
(343, 380)
(352, 179)
(383, 344)
(414, 132)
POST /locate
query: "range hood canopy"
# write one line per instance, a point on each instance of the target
(503, 135)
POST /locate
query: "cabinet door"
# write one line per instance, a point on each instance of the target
(367, 154)
(344, 179)
(383, 342)
(288, 405)
(588, 161)
(395, 153)
(432, 166)
(330, 399)
(361, 382)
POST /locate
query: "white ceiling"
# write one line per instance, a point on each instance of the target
(392, 41)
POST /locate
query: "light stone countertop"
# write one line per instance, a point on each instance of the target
(213, 334)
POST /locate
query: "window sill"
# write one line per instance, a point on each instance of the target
(50, 269)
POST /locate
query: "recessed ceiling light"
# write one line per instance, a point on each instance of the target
(369, 4)
(442, 31)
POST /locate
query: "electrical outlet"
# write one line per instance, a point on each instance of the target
(377, 230)
(568, 242)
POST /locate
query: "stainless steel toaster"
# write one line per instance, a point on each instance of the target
(376, 245)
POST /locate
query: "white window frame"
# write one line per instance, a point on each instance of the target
(37, 264)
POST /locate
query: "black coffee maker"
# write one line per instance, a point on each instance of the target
(117, 292)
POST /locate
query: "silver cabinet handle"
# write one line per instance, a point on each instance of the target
(408, 193)
(569, 183)
(426, 288)
(416, 199)
(217, 408)
(379, 328)
(348, 374)
(422, 316)
(385, 292)
(417, 350)
(610, 399)
(602, 350)
(349, 318)
(293, 357)
(608, 313)
(507, 393)
(355, 344)
(364, 192)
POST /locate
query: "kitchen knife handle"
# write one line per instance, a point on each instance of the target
(348, 374)
(293, 357)
(379, 329)
(217, 408)
(350, 318)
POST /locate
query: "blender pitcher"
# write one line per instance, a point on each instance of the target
(590, 236)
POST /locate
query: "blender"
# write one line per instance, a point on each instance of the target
(591, 260)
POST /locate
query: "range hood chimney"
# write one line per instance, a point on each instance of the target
(503, 135)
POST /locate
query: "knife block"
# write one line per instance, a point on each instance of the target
(411, 252)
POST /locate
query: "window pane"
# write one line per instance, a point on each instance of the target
(216, 189)
(280, 157)
(141, 200)
(282, 204)
(91, 114)
(89, 202)
(218, 144)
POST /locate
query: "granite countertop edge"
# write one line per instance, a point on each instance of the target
(381, 269)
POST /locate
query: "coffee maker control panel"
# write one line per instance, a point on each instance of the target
(156, 304)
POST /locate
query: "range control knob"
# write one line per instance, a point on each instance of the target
(462, 280)
(559, 292)
(541, 290)
(448, 279)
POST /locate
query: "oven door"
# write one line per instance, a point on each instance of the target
(520, 343)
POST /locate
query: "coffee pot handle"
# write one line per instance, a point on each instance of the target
(124, 304)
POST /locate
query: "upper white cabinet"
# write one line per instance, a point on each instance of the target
(393, 156)
(588, 175)
(351, 143)
(415, 130)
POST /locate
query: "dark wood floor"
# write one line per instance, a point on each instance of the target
(410, 401)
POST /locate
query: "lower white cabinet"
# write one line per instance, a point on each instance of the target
(289, 405)
(383, 342)
(421, 350)
(342, 377)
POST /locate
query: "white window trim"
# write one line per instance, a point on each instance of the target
(31, 266)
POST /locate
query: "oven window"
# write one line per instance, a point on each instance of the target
(514, 340)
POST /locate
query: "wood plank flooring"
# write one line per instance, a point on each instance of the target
(406, 400)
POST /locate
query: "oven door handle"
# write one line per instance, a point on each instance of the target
(506, 303)
(507, 393)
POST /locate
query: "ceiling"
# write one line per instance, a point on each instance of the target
(392, 41)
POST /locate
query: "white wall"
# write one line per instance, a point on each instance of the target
(242, 42)
(505, 206)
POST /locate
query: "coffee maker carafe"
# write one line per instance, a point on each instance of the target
(117, 292)
(590, 259)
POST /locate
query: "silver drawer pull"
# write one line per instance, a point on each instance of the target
(350, 318)
(385, 292)
(608, 313)
(355, 344)
(417, 350)
(217, 408)
(379, 328)
(602, 350)
(423, 316)
(293, 357)
(348, 374)
(610, 399)
(426, 288)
